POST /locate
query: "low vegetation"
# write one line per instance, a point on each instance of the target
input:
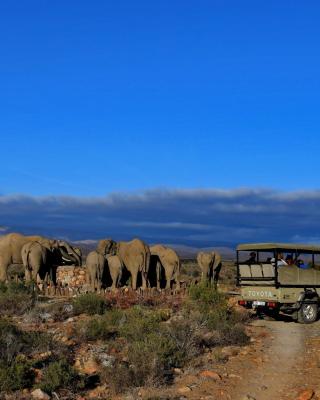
(149, 343)
(91, 304)
(145, 338)
(22, 353)
(16, 298)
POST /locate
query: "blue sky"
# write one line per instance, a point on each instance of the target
(115, 96)
(120, 96)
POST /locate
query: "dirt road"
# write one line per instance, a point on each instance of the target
(287, 365)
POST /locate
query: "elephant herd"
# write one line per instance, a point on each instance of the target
(37, 254)
(109, 265)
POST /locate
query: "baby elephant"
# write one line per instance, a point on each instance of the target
(115, 266)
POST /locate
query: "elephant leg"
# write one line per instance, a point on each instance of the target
(27, 275)
(216, 273)
(168, 280)
(144, 280)
(134, 276)
(119, 277)
(4, 269)
(158, 271)
(114, 278)
(114, 282)
(91, 282)
(169, 275)
(177, 280)
(204, 275)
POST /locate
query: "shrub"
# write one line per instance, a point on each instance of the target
(139, 321)
(56, 375)
(209, 309)
(16, 298)
(101, 327)
(16, 376)
(13, 342)
(90, 304)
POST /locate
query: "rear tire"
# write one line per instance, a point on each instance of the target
(308, 313)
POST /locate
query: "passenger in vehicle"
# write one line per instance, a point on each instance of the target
(252, 259)
(289, 260)
(280, 261)
(301, 264)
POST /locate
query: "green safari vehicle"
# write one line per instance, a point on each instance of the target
(279, 277)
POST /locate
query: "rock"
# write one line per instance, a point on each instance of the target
(234, 376)
(184, 390)
(88, 366)
(230, 351)
(306, 395)
(177, 371)
(68, 308)
(106, 360)
(211, 375)
(39, 394)
(45, 317)
(248, 397)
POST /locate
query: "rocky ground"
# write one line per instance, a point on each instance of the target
(282, 361)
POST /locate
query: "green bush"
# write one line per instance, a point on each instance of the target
(209, 308)
(206, 295)
(16, 376)
(14, 342)
(90, 304)
(58, 374)
(139, 321)
(16, 299)
(102, 327)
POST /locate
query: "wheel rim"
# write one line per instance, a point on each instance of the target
(309, 312)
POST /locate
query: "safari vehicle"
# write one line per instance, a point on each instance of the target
(271, 287)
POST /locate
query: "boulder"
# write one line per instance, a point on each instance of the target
(306, 395)
(210, 375)
(39, 394)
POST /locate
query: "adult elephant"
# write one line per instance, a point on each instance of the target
(134, 255)
(102, 267)
(210, 264)
(38, 261)
(95, 265)
(167, 265)
(12, 243)
(115, 268)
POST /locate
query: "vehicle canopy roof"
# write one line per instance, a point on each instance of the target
(285, 247)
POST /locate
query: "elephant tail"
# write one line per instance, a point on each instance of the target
(146, 265)
(217, 265)
(177, 271)
(28, 260)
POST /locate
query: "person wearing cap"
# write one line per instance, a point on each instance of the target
(252, 259)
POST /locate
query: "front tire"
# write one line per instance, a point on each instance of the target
(308, 313)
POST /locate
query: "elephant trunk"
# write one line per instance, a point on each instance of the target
(68, 253)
